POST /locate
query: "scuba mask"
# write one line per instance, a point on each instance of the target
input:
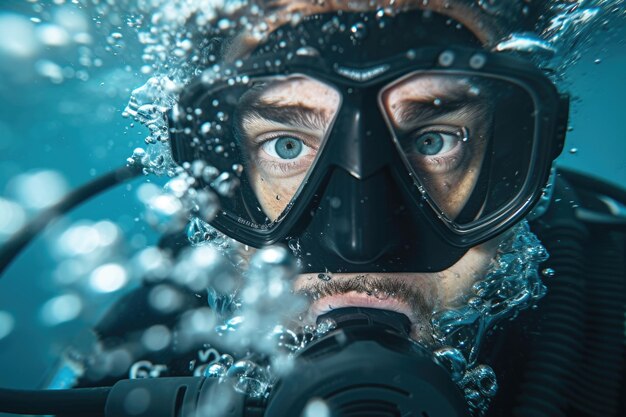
(372, 144)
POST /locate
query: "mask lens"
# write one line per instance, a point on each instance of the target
(466, 138)
(269, 131)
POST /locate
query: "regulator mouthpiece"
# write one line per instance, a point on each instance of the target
(367, 365)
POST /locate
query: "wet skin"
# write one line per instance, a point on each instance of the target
(441, 126)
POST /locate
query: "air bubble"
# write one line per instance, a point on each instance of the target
(335, 202)
(477, 61)
(324, 277)
(307, 51)
(358, 31)
(225, 184)
(7, 323)
(237, 169)
(525, 42)
(325, 326)
(216, 370)
(446, 58)
(209, 173)
(316, 407)
(249, 378)
(453, 360)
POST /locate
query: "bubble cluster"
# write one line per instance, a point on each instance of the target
(562, 32)
(512, 284)
(149, 103)
(180, 40)
(38, 189)
(60, 309)
(180, 200)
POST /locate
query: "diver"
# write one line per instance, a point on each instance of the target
(408, 165)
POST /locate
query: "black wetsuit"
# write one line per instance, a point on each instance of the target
(564, 358)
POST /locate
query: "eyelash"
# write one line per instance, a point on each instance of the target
(276, 167)
(443, 163)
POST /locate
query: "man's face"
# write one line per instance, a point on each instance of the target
(440, 125)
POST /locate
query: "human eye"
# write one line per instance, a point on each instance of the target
(285, 154)
(436, 148)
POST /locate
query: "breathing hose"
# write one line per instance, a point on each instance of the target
(556, 354)
(84, 400)
(367, 365)
(23, 237)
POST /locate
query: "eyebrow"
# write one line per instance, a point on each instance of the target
(424, 108)
(293, 115)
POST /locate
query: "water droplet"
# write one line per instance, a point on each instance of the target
(452, 359)
(237, 169)
(205, 128)
(316, 407)
(324, 276)
(335, 202)
(477, 61)
(225, 184)
(249, 378)
(307, 51)
(446, 58)
(325, 326)
(358, 31)
(525, 42)
(209, 173)
(216, 370)
(381, 294)
(7, 323)
(156, 337)
(573, 151)
(548, 272)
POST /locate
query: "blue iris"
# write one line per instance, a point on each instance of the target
(430, 143)
(288, 147)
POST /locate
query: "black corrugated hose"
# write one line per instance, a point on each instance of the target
(600, 375)
(576, 365)
(555, 355)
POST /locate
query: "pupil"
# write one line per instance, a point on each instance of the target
(429, 143)
(288, 148)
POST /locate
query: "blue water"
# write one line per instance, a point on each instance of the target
(76, 128)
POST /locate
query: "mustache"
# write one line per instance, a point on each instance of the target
(378, 287)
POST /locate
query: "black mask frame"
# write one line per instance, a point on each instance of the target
(422, 240)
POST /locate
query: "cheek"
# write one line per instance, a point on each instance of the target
(455, 284)
(274, 194)
(452, 191)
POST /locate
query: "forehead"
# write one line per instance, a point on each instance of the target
(299, 90)
(309, 92)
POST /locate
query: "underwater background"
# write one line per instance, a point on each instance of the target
(66, 76)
